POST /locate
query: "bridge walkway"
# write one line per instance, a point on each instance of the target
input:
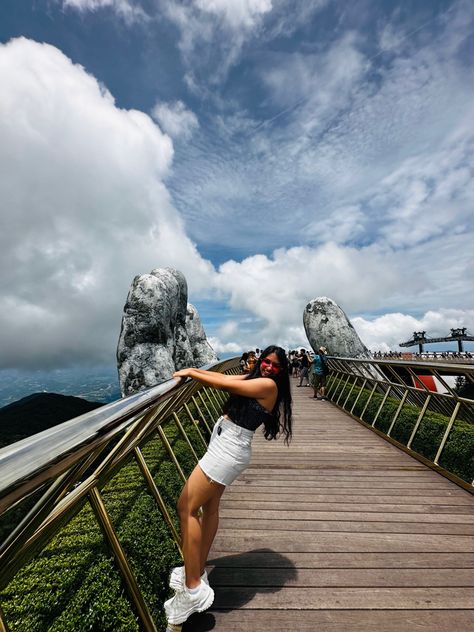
(340, 531)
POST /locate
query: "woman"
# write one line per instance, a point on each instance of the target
(244, 367)
(251, 361)
(304, 368)
(260, 398)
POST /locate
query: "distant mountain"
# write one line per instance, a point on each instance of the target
(95, 384)
(38, 412)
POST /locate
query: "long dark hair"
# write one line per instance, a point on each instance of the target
(280, 420)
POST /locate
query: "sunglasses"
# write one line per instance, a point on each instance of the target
(275, 366)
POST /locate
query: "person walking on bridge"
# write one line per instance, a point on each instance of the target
(320, 370)
(304, 368)
(261, 398)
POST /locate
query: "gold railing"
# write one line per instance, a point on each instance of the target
(393, 398)
(69, 465)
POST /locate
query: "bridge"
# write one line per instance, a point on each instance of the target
(458, 335)
(364, 522)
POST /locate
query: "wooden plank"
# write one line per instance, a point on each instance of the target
(268, 558)
(304, 498)
(253, 505)
(241, 540)
(277, 598)
(340, 578)
(332, 621)
(320, 526)
(347, 516)
(340, 531)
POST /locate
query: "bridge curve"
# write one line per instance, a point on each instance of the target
(342, 530)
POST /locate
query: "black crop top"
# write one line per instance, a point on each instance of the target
(246, 412)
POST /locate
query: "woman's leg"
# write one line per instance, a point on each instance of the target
(197, 492)
(209, 524)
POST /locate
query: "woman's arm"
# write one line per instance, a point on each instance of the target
(260, 387)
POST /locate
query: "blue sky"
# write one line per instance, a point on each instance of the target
(272, 150)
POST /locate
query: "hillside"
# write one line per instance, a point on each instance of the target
(37, 412)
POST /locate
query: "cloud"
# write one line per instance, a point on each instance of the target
(175, 119)
(384, 333)
(224, 347)
(85, 206)
(352, 149)
(236, 14)
(129, 10)
(212, 36)
(276, 289)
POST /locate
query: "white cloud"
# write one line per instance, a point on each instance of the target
(276, 289)
(213, 34)
(175, 119)
(236, 13)
(385, 332)
(224, 347)
(84, 206)
(129, 10)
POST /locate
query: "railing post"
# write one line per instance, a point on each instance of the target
(200, 413)
(185, 436)
(333, 379)
(418, 421)
(343, 388)
(358, 395)
(169, 449)
(205, 406)
(368, 401)
(381, 405)
(212, 392)
(336, 387)
(129, 578)
(446, 434)
(156, 495)
(397, 412)
(350, 393)
(206, 391)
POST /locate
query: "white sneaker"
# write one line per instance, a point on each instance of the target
(178, 575)
(180, 607)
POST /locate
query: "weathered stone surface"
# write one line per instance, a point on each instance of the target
(154, 341)
(327, 325)
(203, 353)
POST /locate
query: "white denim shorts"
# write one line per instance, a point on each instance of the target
(229, 452)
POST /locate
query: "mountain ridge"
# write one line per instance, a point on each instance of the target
(37, 412)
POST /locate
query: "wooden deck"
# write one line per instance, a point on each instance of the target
(340, 532)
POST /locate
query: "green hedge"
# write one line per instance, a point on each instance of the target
(73, 585)
(458, 454)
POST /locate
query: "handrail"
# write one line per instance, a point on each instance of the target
(71, 463)
(28, 463)
(378, 391)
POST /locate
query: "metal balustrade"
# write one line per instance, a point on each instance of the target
(357, 383)
(69, 465)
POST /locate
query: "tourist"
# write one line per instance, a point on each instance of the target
(304, 368)
(260, 398)
(320, 370)
(251, 361)
(243, 364)
(296, 364)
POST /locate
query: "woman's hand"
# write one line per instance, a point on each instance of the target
(182, 373)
